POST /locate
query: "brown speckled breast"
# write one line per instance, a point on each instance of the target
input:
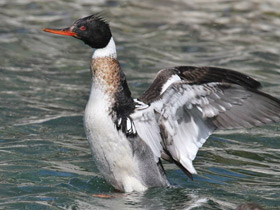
(107, 74)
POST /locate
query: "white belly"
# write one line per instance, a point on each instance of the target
(110, 148)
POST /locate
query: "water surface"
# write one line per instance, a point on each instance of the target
(45, 160)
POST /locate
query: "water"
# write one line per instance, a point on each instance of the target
(45, 161)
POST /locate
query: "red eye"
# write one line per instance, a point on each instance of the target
(82, 28)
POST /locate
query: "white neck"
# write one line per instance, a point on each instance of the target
(108, 51)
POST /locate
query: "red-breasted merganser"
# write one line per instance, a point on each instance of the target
(171, 120)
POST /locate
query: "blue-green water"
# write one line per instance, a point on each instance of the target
(45, 161)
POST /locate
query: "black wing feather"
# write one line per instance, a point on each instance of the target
(197, 75)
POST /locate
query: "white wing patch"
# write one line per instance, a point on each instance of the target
(185, 134)
(147, 127)
(183, 125)
(170, 81)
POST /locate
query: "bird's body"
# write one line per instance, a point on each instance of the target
(171, 120)
(113, 150)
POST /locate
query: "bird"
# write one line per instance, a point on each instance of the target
(129, 137)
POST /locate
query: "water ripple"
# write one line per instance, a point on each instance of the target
(44, 85)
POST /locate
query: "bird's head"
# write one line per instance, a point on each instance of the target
(93, 30)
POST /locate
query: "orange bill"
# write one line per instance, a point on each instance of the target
(65, 31)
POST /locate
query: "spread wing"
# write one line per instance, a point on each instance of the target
(186, 104)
